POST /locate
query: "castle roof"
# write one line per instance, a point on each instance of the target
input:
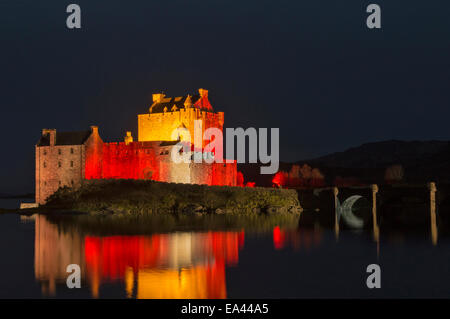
(197, 101)
(65, 138)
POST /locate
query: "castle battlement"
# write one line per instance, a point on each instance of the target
(167, 114)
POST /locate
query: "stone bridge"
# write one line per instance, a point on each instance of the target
(367, 206)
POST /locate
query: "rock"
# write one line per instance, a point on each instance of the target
(276, 210)
(28, 205)
(194, 209)
(295, 210)
(220, 211)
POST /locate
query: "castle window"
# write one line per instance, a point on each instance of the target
(45, 152)
(45, 164)
(45, 183)
(59, 164)
(59, 183)
(71, 182)
(59, 151)
(71, 150)
(71, 163)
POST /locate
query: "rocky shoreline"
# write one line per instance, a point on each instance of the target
(150, 197)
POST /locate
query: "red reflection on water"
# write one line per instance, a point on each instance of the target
(297, 239)
(112, 255)
(177, 265)
(278, 238)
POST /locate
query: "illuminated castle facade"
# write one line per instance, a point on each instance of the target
(69, 158)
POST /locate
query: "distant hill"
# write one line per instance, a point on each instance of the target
(423, 161)
(382, 154)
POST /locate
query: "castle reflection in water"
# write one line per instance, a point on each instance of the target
(188, 265)
(176, 265)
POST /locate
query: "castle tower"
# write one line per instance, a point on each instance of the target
(65, 159)
(167, 114)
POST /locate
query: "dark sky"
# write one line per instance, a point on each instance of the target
(310, 67)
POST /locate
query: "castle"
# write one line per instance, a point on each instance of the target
(70, 158)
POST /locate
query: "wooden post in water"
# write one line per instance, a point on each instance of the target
(376, 230)
(336, 211)
(434, 230)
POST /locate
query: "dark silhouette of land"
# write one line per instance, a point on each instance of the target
(421, 161)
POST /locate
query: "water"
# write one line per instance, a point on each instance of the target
(216, 258)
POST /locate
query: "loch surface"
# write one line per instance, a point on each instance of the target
(237, 262)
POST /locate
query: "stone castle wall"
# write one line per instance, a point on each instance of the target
(94, 155)
(214, 173)
(68, 165)
(136, 160)
(159, 126)
(149, 160)
(58, 166)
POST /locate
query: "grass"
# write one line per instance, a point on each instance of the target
(143, 197)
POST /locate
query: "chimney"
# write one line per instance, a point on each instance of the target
(203, 92)
(51, 134)
(157, 97)
(94, 129)
(128, 138)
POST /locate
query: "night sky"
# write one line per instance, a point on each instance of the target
(310, 67)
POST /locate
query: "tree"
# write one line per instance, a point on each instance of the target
(299, 176)
(240, 179)
(394, 174)
(279, 179)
